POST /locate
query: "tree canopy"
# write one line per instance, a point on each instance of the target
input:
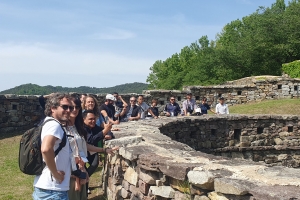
(257, 44)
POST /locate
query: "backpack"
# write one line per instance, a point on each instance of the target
(30, 155)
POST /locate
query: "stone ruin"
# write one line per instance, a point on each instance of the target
(151, 164)
(201, 158)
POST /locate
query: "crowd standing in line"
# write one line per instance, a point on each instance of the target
(87, 125)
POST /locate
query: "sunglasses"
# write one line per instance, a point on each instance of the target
(132, 100)
(172, 99)
(67, 107)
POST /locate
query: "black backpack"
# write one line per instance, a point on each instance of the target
(30, 155)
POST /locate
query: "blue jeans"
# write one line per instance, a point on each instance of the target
(42, 194)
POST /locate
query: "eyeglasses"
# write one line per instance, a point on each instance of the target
(67, 107)
(132, 100)
(172, 99)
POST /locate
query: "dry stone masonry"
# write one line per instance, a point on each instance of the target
(150, 165)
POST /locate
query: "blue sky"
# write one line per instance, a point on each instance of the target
(103, 43)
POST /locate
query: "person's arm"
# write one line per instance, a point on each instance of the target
(184, 105)
(104, 113)
(152, 114)
(49, 155)
(99, 149)
(178, 109)
(124, 102)
(227, 109)
(123, 111)
(217, 109)
(135, 118)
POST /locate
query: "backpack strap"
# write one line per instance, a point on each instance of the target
(64, 139)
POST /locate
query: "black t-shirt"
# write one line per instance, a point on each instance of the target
(155, 111)
(110, 110)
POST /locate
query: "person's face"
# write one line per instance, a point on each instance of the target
(221, 101)
(82, 98)
(90, 120)
(110, 102)
(74, 113)
(132, 101)
(188, 96)
(172, 100)
(154, 104)
(89, 103)
(116, 96)
(62, 112)
(204, 101)
(140, 100)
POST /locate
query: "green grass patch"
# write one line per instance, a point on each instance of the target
(281, 107)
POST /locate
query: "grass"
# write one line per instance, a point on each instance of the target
(17, 186)
(280, 107)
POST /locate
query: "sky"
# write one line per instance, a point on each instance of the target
(94, 43)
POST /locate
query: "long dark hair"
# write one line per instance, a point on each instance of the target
(79, 119)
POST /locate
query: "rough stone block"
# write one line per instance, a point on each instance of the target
(197, 197)
(125, 185)
(232, 186)
(148, 176)
(162, 191)
(131, 176)
(125, 194)
(181, 196)
(144, 187)
(278, 141)
(202, 179)
(216, 196)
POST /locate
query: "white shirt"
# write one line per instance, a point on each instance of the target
(62, 160)
(222, 109)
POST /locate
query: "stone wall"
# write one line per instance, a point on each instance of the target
(18, 113)
(249, 89)
(273, 139)
(150, 165)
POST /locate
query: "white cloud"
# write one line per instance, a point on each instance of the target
(47, 58)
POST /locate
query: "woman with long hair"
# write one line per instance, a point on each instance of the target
(77, 137)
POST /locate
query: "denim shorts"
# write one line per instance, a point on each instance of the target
(39, 194)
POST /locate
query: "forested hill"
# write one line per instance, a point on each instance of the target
(257, 44)
(33, 89)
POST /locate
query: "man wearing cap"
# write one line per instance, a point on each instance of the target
(189, 105)
(108, 110)
(221, 107)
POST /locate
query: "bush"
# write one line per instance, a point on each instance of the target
(292, 69)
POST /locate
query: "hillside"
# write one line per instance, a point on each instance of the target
(33, 89)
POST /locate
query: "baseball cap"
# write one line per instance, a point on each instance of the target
(110, 97)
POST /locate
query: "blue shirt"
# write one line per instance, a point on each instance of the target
(173, 108)
(204, 108)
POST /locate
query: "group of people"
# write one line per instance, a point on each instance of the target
(115, 109)
(66, 175)
(87, 125)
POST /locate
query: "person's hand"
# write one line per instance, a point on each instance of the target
(155, 117)
(59, 176)
(119, 97)
(116, 122)
(107, 137)
(110, 150)
(115, 129)
(108, 126)
(168, 114)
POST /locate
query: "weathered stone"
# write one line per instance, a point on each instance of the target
(148, 176)
(125, 194)
(202, 179)
(275, 192)
(181, 196)
(162, 191)
(144, 187)
(232, 186)
(131, 176)
(125, 185)
(278, 141)
(197, 197)
(216, 196)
